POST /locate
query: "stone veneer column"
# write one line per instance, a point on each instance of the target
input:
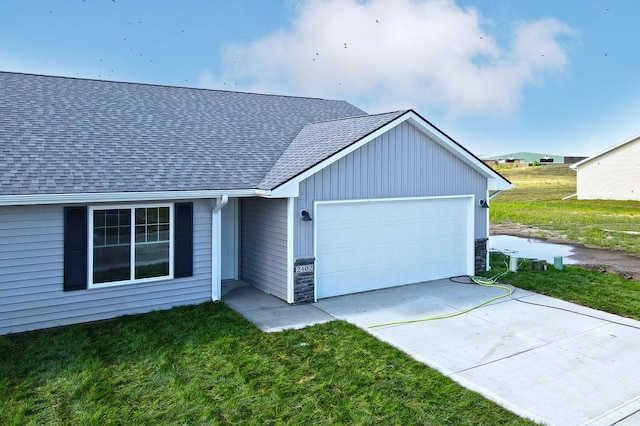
(303, 280)
(480, 264)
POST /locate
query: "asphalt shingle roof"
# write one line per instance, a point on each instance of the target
(65, 135)
(318, 141)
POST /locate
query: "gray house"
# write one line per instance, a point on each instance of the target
(119, 198)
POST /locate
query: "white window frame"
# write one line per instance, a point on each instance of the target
(133, 280)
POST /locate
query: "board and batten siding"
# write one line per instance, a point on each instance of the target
(31, 276)
(263, 246)
(403, 162)
(614, 175)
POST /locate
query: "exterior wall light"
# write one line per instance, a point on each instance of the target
(306, 217)
(484, 204)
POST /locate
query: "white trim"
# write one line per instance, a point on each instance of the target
(216, 247)
(374, 200)
(487, 265)
(289, 189)
(132, 208)
(495, 180)
(606, 151)
(231, 210)
(236, 239)
(315, 252)
(291, 217)
(121, 197)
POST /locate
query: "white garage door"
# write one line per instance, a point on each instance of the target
(367, 245)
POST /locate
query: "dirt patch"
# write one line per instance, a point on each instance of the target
(596, 258)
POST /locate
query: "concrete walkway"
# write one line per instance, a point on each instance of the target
(565, 366)
(267, 312)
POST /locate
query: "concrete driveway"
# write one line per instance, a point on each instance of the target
(565, 366)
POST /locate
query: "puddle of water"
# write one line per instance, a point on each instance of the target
(531, 248)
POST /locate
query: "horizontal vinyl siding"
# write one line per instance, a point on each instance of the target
(613, 176)
(31, 295)
(402, 162)
(263, 258)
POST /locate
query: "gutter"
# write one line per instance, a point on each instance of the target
(119, 197)
(221, 203)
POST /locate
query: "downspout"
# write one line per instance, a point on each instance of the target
(216, 248)
(221, 203)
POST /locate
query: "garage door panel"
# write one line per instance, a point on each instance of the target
(363, 246)
(407, 274)
(427, 248)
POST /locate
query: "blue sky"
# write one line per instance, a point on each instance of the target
(558, 77)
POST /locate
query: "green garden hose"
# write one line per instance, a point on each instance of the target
(485, 282)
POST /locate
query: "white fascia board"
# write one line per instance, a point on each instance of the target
(600, 154)
(495, 181)
(118, 197)
(290, 189)
(499, 185)
(291, 217)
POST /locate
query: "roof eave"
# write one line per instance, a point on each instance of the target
(499, 185)
(606, 151)
(119, 197)
(495, 180)
(499, 181)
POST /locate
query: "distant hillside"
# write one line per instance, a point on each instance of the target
(533, 158)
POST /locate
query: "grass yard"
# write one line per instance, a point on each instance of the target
(605, 292)
(538, 201)
(205, 364)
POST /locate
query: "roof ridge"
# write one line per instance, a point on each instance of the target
(359, 116)
(133, 83)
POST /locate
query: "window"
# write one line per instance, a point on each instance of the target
(80, 251)
(130, 244)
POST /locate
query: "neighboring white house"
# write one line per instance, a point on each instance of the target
(120, 198)
(613, 174)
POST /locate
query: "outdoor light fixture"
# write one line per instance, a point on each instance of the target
(306, 217)
(484, 204)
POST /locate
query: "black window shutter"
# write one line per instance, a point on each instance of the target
(183, 245)
(75, 248)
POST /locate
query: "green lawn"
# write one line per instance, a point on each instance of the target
(205, 364)
(605, 292)
(538, 201)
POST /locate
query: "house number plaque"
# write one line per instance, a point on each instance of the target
(304, 269)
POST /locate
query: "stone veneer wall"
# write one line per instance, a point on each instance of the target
(480, 263)
(303, 280)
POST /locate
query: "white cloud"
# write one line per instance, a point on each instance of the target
(401, 53)
(208, 80)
